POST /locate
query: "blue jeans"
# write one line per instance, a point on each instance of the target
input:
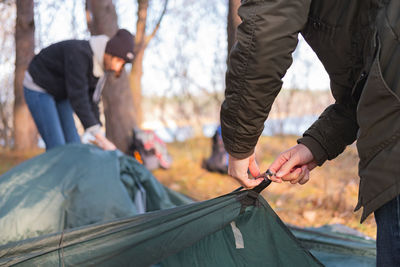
(388, 234)
(54, 119)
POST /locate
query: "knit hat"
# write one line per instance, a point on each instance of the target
(121, 45)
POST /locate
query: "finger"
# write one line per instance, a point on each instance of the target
(275, 179)
(303, 172)
(249, 183)
(109, 145)
(295, 181)
(294, 175)
(287, 167)
(253, 167)
(278, 162)
(305, 179)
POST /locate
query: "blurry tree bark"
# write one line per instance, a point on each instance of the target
(119, 109)
(141, 43)
(7, 56)
(25, 133)
(233, 22)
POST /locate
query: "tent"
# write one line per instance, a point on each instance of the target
(79, 205)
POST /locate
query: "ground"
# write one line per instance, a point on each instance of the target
(328, 198)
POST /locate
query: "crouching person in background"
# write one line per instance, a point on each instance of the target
(68, 77)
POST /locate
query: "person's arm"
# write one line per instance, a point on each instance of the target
(76, 82)
(95, 110)
(266, 39)
(335, 129)
(77, 87)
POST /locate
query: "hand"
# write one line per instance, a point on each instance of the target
(237, 168)
(293, 165)
(102, 142)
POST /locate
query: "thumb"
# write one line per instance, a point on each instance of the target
(287, 167)
(253, 167)
(277, 164)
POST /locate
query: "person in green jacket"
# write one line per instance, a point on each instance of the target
(358, 43)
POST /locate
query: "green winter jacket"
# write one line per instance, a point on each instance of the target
(358, 43)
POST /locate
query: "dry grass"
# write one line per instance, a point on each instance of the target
(328, 198)
(10, 158)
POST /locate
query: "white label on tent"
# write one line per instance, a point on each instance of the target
(238, 235)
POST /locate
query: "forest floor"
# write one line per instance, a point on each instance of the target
(328, 198)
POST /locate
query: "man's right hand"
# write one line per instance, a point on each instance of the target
(237, 168)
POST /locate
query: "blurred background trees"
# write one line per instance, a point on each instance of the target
(176, 82)
(7, 55)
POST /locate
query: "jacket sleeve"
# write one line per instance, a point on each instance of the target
(335, 129)
(77, 87)
(96, 112)
(266, 39)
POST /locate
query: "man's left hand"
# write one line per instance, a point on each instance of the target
(293, 165)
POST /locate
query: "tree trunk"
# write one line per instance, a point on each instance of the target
(117, 98)
(25, 132)
(141, 43)
(233, 22)
(136, 74)
(135, 82)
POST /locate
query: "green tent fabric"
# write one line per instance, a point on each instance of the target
(336, 246)
(77, 205)
(73, 186)
(198, 234)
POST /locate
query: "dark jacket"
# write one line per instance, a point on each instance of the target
(65, 70)
(358, 43)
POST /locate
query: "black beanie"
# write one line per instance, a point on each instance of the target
(121, 45)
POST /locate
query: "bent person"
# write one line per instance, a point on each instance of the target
(68, 77)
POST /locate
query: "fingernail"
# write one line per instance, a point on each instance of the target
(279, 174)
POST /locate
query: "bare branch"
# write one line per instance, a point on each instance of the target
(89, 16)
(7, 2)
(153, 33)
